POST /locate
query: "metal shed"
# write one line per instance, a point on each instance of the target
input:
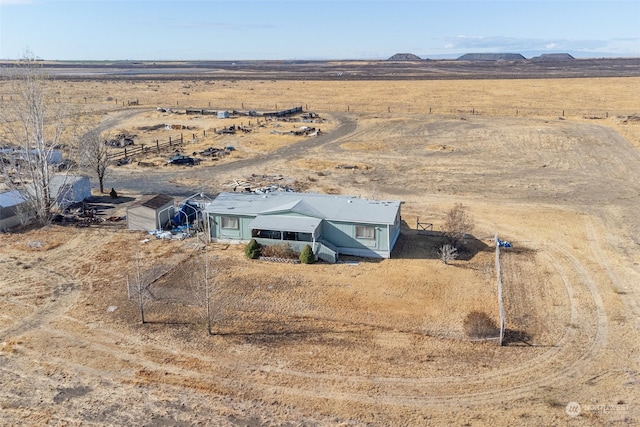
(11, 204)
(70, 189)
(150, 213)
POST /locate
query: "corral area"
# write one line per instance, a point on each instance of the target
(553, 166)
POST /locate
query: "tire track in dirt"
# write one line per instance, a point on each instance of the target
(567, 362)
(619, 285)
(62, 283)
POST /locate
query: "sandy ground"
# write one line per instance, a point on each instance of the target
(366, 343)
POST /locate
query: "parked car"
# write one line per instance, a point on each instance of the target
(182, 160)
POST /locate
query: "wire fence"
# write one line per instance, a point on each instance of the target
(500, 303)
(390, 106)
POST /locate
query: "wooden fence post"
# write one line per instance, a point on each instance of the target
(158, 145)
(169, 141)
(181, 138)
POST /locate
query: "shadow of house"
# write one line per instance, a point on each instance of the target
(421, 244)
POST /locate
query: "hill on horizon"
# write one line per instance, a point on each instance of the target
(405, 57)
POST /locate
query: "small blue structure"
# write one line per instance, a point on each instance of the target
(503, 243)
(223, 114)
(187, 214)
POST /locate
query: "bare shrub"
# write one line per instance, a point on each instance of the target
(479, 325)
(447, 253)
(457, 225)
(279, 251)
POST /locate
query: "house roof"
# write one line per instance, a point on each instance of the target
(153, 201)
(323, 206)
(11, 198)
(285, 223)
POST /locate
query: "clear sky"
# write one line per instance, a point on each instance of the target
(313, 29)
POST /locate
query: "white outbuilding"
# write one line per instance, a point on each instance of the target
(70, 189)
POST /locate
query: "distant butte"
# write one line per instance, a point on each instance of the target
(405, 57)
(492, 57)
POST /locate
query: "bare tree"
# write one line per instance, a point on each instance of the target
(94, 155)
(34, 128)
(203, 286)
(448, 253)
(457, 225)
(139, 285)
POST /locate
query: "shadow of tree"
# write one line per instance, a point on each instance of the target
(108, 200)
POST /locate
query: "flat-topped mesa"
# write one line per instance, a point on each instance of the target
(549, 57)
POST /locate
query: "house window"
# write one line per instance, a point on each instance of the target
(298, 237)
(365, 232)
(266, 234)
(230, 222)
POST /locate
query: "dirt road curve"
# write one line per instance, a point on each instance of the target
(156, 181)
(560, 192)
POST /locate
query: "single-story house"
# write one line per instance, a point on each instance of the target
(150, 213)
(12, 209)
(70, 189)
(331, 224)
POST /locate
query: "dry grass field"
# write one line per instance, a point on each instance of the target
(551, 165)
